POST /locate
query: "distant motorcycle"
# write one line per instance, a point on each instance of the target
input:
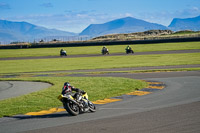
(104, 51)
(74, 107)
(63, 53)
(129, 51)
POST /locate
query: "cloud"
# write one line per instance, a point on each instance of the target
(165, 17)
(193, 11)
(47, 5)
(4, 6)
(128, 15)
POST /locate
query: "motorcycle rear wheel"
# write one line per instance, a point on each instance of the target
(71, 108)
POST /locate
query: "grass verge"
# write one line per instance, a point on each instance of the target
(97, 88)
(4, 53)
(39, 65)
(63, 74)
(146, 71)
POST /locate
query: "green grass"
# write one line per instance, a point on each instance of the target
(4, 53)
(186, 32)
(143, 71)
(17, 66)
(97, 88)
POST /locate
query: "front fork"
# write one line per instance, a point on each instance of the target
(85, 105)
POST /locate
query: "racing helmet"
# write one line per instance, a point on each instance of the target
(66, 84)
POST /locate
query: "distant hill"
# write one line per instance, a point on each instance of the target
(150, 34)
(23, 31)
(123, 25)
(178, 24)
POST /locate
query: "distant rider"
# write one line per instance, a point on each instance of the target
(104, 50)
(63, 52)
(128, 48)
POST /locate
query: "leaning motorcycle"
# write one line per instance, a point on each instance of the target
(104, 52)
(75, 107)
(129, 51)
(63, 53)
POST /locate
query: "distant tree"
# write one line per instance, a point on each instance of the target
(41, 40)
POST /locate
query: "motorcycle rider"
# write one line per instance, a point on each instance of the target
(67, 89)
(128, 48)
(104, 50)
(63, 52)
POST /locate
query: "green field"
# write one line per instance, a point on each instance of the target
(97, 87)
(4, 53)
(42, 65)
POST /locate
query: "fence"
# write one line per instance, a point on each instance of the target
(98, 43)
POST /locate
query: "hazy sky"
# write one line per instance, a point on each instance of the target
(76, 15)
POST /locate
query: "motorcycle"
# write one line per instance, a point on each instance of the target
(105, 52)
(129, 51)
(63, 53)
(75, 107)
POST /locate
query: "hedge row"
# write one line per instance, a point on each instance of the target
(76, 44)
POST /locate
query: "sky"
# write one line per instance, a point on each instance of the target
(76, 15)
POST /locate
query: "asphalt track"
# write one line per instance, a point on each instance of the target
(8, 88)
(173, 109)
(111, 54)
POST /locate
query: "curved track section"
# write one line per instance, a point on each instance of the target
(173, 109)
(8, 88)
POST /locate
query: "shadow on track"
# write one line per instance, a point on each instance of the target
(22, 117)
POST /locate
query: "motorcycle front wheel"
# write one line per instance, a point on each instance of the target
(71, 108)
(92, 107)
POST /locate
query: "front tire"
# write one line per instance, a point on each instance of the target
(71, 108)
(92, 107)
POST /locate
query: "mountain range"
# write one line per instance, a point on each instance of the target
(23, 31)
(123, 25)
(185, 24)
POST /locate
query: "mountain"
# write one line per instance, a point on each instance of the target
(178, 24)
(123, 25)
(23, 31)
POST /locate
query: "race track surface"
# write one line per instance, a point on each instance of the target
(176, 119)
(9, 89)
